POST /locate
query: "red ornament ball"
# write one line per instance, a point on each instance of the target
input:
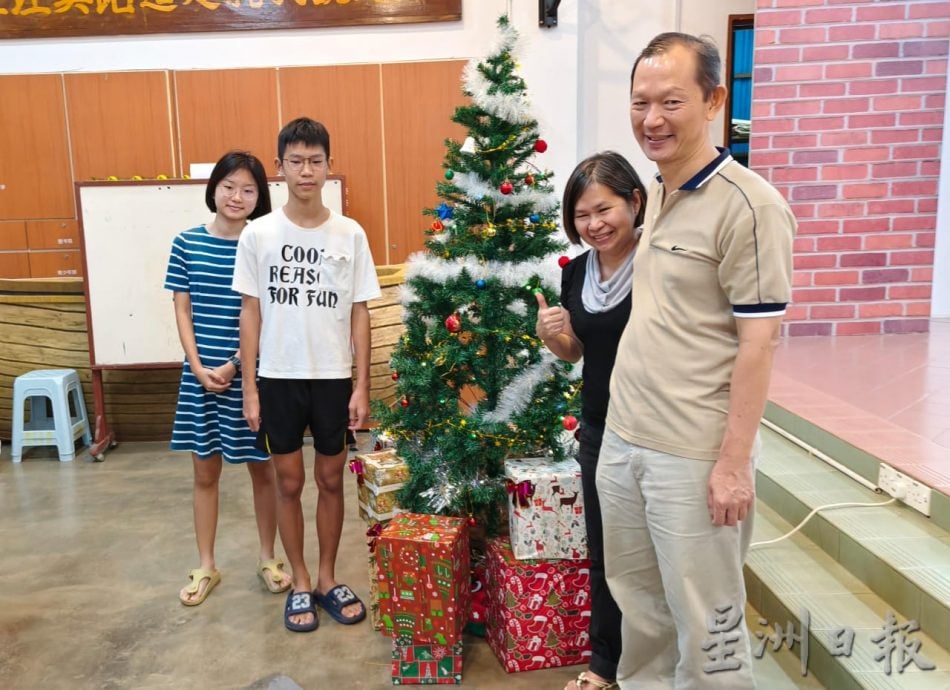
(395, 376)
(570, 422)
(563, 261)
(437, 225)
(453, 323)
(540, 146)
(471, 521)
(529, 180)
(506, 187)
(404, 402)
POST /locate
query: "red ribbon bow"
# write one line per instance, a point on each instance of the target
(372, 535)
(356, 467)
(520, 492)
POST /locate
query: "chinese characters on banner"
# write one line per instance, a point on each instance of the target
(47, 18)
(895, 647)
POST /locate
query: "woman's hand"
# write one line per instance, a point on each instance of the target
(212, 381)
(552, 321)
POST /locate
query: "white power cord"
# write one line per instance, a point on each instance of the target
(825, 507)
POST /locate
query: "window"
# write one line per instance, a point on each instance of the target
(739, 82)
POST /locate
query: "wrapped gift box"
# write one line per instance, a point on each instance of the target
(384, 469)
(546, 508)
(424, 577)
(376, 501)
(371, 517)
(380, 476)
(538, 611)
(426, 664)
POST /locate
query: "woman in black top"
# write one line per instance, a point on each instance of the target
(603, 206)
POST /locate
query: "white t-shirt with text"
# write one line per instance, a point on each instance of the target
(307, 280)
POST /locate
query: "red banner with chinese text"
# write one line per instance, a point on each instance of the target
(56, 18)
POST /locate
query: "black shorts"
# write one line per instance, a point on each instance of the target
(289, 406)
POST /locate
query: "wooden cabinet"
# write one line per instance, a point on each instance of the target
(35, 171)
(14, 264)
(55, 264)
(13, 235)
(53, 234)
(353, 116)
(121, 124)
(419, 99)
(220, 110)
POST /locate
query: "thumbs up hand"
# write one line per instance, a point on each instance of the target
(552, 321)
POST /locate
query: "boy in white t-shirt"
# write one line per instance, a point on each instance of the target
(305, 274)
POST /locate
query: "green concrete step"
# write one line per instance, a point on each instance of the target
(847, 567)
(779, 671)
(855, 459)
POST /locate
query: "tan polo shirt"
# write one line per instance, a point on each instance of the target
(719, 249)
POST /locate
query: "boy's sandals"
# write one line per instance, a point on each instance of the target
(337, 599)
(582, 682)
(300, 603)
(198, 575)
(270, 572)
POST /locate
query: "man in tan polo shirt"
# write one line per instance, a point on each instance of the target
(711, 281)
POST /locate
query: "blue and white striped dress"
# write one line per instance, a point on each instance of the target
(210, 423)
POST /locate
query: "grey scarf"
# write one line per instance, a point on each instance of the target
(599, 296)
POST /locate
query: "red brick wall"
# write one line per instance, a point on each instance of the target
(847, 121)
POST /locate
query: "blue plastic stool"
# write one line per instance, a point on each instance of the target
(60, 430)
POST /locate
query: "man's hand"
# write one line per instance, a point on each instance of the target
(252, 409)
(730, 493)
(359, 409)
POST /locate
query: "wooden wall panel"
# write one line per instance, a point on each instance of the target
(35, 174)
(13, 235)
(120, 124)
(14, 264)
(353, 116)
(419, 99)
(220, 110)
(52, 234)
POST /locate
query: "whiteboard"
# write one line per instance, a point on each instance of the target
(126, 230)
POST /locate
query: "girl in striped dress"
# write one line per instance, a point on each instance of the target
(209, 419)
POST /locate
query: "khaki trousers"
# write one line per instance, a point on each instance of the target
(676, 578)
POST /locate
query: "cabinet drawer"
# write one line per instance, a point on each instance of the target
(13, 235)
(52, 234)
(14, 264)
(61, 264)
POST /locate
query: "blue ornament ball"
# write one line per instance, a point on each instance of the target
(480, 283)
(534, 217)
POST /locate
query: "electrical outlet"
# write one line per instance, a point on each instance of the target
(909, 491)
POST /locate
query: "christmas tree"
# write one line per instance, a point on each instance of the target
(473, 383)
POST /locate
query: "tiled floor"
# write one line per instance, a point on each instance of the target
(888, 395)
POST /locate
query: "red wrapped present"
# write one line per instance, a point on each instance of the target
(538, 611)
(476, 621)
(372, 537)
(424, 579)
(426, 664)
